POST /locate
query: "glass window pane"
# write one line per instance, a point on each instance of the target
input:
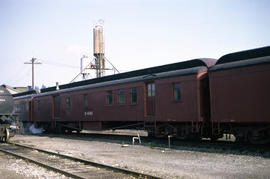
(109, 97)
(176, 91)
(153, 89)
(38, 105)
(133, 96)
(149, 90)
(121, 96)
(68, 102)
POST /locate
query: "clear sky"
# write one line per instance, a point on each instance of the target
(138, 33)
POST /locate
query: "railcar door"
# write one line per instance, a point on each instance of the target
(56, 107)
(150, 99)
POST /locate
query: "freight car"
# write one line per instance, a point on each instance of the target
(163, 100)
(6, 117)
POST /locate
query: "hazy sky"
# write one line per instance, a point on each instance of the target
(138, 33)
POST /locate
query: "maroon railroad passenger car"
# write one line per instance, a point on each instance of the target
(240, 95)
(168, 99)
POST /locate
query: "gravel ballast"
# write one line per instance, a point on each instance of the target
(165, 163)
(12, 168)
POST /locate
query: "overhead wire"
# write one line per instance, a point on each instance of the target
(59, 64)
(26, 71)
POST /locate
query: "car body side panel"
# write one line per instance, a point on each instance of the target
(241, 95)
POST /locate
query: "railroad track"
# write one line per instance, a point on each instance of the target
(67, 165)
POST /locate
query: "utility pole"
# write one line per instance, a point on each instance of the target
(32, 61)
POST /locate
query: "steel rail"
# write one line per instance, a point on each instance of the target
(68, 174)
(87, 162)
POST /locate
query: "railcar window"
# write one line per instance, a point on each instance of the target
(151, 89)
(85, 100)
(121, 96)
(38, 105)
(109, 97)
(176, 92)
(68, 102)
(133, 95)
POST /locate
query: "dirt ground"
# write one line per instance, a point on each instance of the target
(166, 163)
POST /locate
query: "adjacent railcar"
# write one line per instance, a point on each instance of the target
(169, 99)
(240, 95)
(24, 108)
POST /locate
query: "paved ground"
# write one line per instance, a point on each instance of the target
(166, 163)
